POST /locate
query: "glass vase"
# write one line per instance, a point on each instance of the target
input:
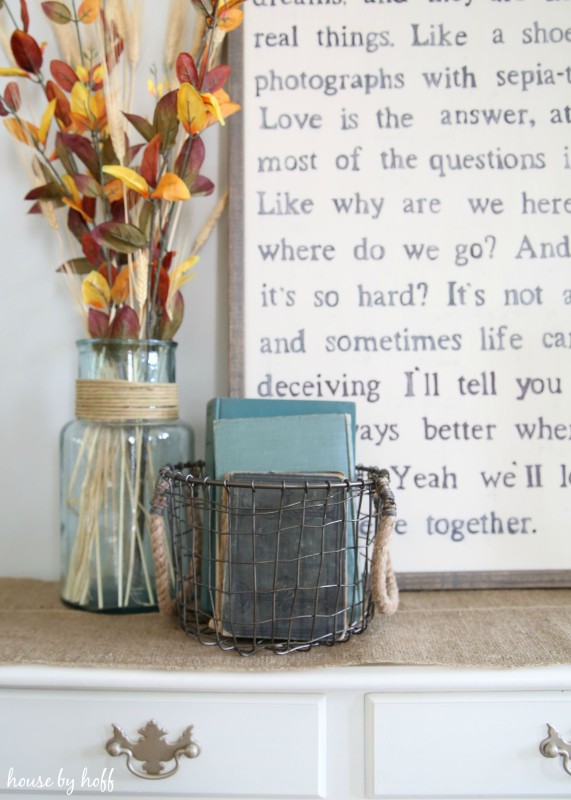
(126, 429)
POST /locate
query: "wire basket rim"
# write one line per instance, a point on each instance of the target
(176, 472)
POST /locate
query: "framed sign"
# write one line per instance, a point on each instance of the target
(400, 236)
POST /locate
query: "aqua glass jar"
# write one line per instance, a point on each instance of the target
(126, 428)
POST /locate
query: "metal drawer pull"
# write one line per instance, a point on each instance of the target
(152, 750)
(555, 745)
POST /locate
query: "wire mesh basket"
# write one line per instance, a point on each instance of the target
(271, 561)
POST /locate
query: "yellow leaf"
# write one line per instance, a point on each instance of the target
(120, 289)
(46, 121)
(213, 106)
(88, 11)
(171, 188)
(82, 73)
(99, 74)
(20, 131)
(82, 102)
(130, 178)
(71, 187)
(13, 72)
(178, 277)
(95, 290)
(190, 109)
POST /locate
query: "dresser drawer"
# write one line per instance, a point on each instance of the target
(251, 745)
(464, 745)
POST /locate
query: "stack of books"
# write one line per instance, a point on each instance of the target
(279, 557)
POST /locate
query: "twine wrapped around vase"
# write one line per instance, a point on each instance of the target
(124, 401)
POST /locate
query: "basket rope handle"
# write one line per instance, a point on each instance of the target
(167, 605)
(384, 584)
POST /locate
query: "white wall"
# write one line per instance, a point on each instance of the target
(38, 330)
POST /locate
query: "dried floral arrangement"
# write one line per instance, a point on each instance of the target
(119, 177)
(112, 184)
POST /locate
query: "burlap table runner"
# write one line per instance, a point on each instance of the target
(498, 628)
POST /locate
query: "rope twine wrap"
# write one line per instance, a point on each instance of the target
(167, 605)
(124, 401)
(384, 584)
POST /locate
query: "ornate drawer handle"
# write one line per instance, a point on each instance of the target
(555, 745)
(152, 750)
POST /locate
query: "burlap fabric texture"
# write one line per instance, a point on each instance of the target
(483, 628)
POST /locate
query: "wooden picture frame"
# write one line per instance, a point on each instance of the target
(506, 573)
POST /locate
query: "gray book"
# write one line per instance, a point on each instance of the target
(282, 559)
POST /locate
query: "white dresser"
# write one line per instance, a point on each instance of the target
(394, 733)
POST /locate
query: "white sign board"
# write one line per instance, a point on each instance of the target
(401, 238)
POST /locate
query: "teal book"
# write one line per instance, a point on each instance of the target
(243, 408)
(298, 443)
(307, 443)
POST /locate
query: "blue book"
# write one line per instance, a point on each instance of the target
(308, 443)
(243, 408)
(303, 443)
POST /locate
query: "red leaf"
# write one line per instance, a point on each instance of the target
(109, 273)
(142, 125)
(118, 211)
(131, 152)
(186, 69)
(216, 78)
(97, 323)
(76, 224)
(125, 324)
(62, 103)
(124, 238)
(3, 110)
(63, 74)
(26, 51)
(12, 96)
(91, 250)
(167, 259)
(56, 12)
(163, 288)
(87, 185)
(150, 162)
(165, 120)
(190, 158)
(24, 14)
(84, 150)
(201, 185)
(48, 191)
(89, 205)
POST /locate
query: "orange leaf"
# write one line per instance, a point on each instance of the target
(95, 290)
(171, 188)
(114, 190)
(120, 288)
(229, 19)
(88, 11)
(23, 132)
